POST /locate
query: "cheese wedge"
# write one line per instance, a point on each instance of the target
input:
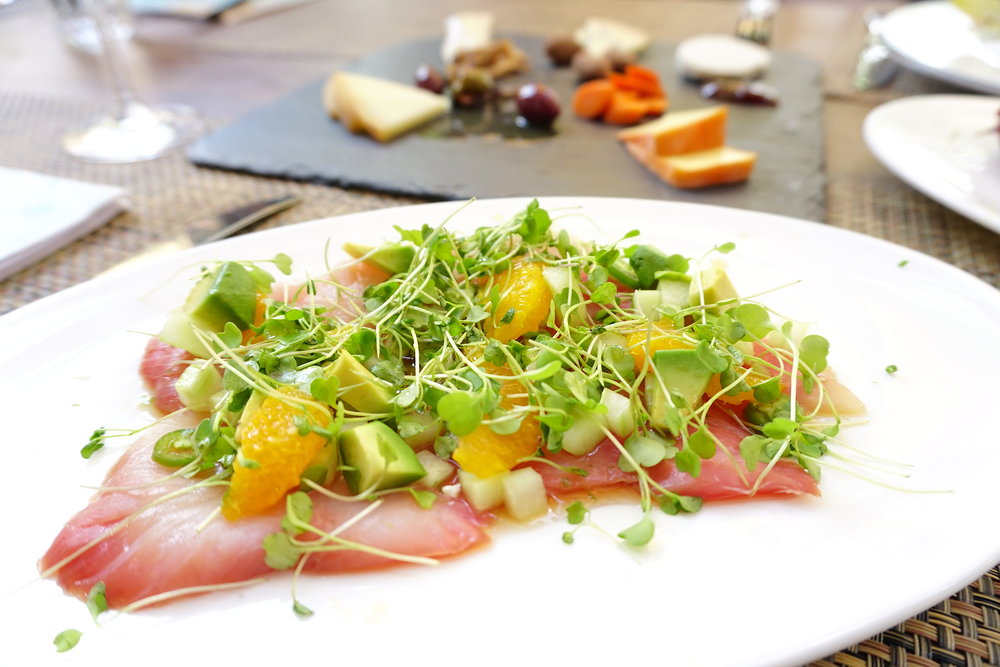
(466, 31)
(599, 37)
(384, 109)
(715, 166)
(680, 132)
(721, 56)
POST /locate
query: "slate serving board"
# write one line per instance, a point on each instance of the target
(293, 138)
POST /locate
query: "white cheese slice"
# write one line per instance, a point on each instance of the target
(599, 37)
(384, 109)
(465, 31)
(717, 56)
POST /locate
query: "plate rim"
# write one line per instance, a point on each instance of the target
(800, 653)
(907, 59)
(961, 204)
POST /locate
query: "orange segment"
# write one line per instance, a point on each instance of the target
(642, 343)
(271, 439)
(485, 453)
(524, 291)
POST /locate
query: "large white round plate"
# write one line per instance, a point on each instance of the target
(940, 40)
(946, 146)
(766, 582)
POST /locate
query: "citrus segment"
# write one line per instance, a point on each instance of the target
(524, 301)
(271, 439)
(643, 343)
(484, 452)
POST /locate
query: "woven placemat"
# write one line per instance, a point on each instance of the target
(169, 192)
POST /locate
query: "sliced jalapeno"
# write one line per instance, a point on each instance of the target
(175, 449)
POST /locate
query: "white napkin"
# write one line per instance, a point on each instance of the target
(40, 214)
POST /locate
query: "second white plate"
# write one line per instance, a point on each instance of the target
(945, 146)
(939, 40)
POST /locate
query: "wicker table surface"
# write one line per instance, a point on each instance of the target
(45, 91)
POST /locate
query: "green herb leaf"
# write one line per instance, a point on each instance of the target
(753, 318)
(890, 369)
(424, 498)
(688, 461)
(780, 428)
(462, 412)
(751, 448)
(702, 442)
(97, 602)
(279, 552)
(301, 609)
(813, 350)
(767, 391)
(66, 640)
(576, 513)
(640, 534)
(283, 263)
(95, 443)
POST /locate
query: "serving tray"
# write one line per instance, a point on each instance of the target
(293, 138)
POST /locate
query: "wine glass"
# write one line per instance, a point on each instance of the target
(133, 130)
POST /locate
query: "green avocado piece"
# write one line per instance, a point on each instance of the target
(685, 375)
(716, 286)
(392, 258)
(324, 466)
(376, 458)
(358, 386)
(228, 294)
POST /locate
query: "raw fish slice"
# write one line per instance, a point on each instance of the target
(340, 291)
(720, 476)
(162, 549)
(161, 365)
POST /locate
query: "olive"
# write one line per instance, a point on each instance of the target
(588, 67)
(561, 50)
(472, 87)
(618, 60)
(429, 78)
(741, 92)
(537, 104)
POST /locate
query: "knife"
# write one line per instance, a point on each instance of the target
(212, 229)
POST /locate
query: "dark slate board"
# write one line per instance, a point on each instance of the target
(292, 137)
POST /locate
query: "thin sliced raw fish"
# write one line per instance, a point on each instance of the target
(161, 549)
(161, 365)
(723, 476)
(340, 291)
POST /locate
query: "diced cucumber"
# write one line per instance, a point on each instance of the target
(524, 494)
(674, 293)
(198, 385)
(584, 434)
(646, 302)
(619, 417)
(438, 470)
(179, 332)
(483, 493)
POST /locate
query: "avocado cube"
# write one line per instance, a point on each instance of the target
(376, 458)
(228, 294)
(392, 258)
(683, 374)
(716, 287)
(358, 386)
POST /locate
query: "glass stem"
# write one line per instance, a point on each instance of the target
(114, 60)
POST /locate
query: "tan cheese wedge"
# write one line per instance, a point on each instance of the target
(384, 109)
(680, 132)
(712, 167)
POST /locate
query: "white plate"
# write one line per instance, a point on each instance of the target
(946, 146)
(940, 40)
(751, 583)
